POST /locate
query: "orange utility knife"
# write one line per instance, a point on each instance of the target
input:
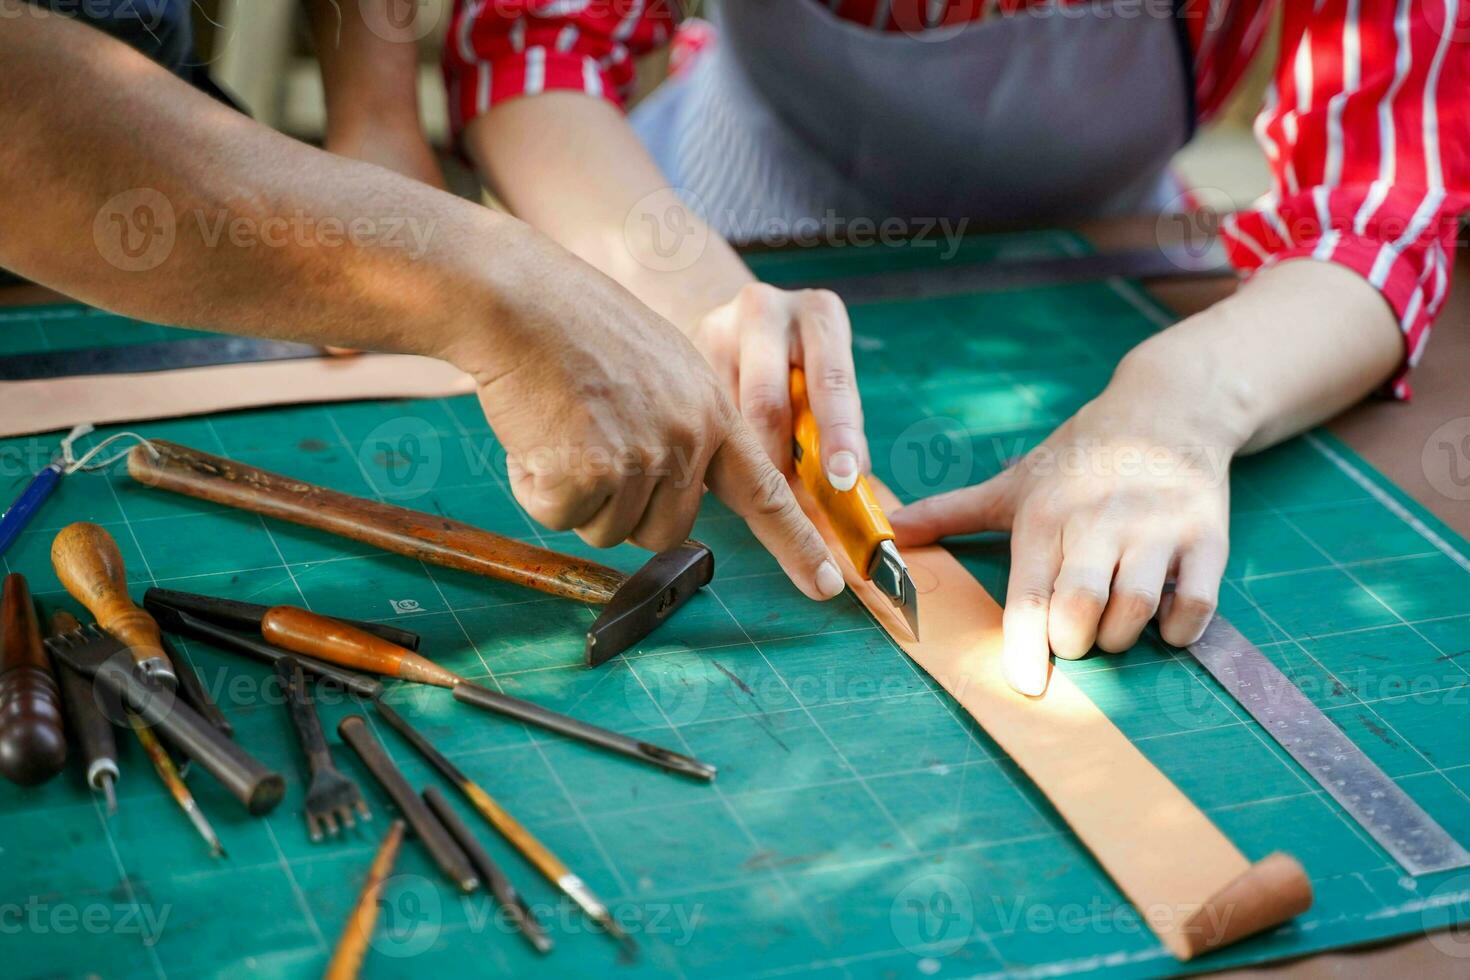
(855, 514)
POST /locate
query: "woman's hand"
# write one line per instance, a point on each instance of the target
(1133, 490)
(1119, 500)
(753, 341)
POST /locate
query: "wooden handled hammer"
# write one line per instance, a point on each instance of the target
(634, 604)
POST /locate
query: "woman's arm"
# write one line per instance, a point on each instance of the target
(370, 75)
(1134, 489)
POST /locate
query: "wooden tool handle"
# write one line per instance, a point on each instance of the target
(90, 567)
(855, 515)
(427, 537)
(519, 837)
(32, 733)
(352, 948)
(301, 631)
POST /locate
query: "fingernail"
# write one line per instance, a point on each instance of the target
(829, 580)
(842, 470)
(1026, 674)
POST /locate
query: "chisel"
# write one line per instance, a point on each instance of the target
(91, 727)
(101, 657)
(237, 615)
(168, 774)
(538, 854)
(436, 840)
(499, 885)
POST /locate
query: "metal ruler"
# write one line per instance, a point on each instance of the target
(986, 277)
(1365, 791)
(165, 355)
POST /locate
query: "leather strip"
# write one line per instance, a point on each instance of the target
(48, 404)
(1193, 886)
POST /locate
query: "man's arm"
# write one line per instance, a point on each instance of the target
(122, 186)
(1134, 489)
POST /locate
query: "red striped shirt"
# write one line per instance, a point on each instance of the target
(1366, 126)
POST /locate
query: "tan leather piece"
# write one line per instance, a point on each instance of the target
(48, 404)
(1195, 889)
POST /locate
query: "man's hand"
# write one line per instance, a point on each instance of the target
(1133, 490)
(572, 167)
(754, 341)
(614, 424)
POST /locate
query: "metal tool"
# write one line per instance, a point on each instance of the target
(441, 847)
(331, 796)
(958, 279)
(164, 766)
(19, 514)
(100, 656)
(256, 648)
(856, 516)
(634, 605)
(90, 567)
(91, 727)
(1365, 791)
(246, 616)
(32, 729)
(166, 355)
(495, 880)
(192, 690)
(352, 947)
(538, 854)
(625, 745)
(305, 632)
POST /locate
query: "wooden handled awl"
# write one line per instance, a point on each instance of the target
(856, 516)
(634, 604)
(326, 639)
(32, 733)
(303, 631)
(90, 567)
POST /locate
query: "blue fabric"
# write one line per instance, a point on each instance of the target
(159, 29)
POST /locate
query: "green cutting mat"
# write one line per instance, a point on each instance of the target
(861, 825)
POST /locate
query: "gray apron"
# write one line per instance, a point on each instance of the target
(1050, 115)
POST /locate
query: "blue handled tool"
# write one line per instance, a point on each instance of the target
(14, 520)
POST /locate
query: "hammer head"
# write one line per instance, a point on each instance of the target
(648, 598)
